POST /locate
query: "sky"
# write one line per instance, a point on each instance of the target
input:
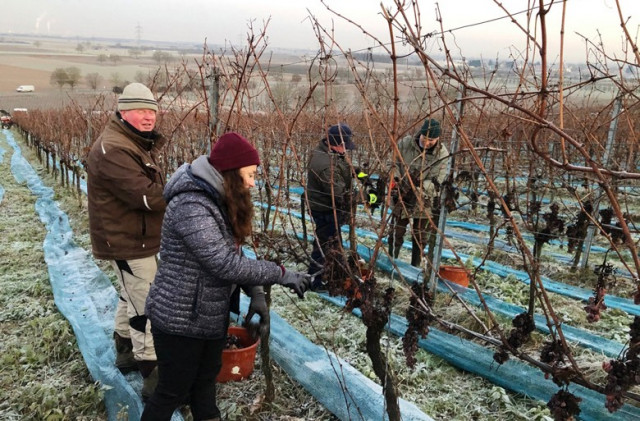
(227, 21)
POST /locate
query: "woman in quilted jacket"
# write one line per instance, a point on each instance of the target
(208, 217)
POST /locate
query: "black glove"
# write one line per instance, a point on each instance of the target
(258, 306)
(298, 282)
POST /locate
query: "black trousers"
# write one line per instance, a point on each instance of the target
(187, 369)
(419, 238)
(327, 239)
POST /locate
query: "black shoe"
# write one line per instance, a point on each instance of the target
(149, 384)
(124, 354)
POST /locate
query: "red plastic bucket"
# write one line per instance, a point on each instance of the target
(455, 274)
(237, 364)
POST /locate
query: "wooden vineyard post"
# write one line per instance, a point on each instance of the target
(611, 135)
(214, 98)
(442, 220)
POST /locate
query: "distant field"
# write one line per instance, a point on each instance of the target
(13, 76)
(31, 62)
(21, 63)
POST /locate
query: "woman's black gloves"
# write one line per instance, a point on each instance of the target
(258, 305)
(298, 282)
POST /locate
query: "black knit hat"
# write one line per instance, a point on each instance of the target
(233, 151)
(430, 128)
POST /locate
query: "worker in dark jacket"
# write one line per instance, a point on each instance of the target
(329, 193)
(124, 186)
(208, 218)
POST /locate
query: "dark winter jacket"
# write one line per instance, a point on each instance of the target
(124, 185)
(328, 173)
(199, 259)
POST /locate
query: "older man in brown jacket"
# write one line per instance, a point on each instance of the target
(125, 184)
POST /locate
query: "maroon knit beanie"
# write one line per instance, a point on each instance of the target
(233, 151)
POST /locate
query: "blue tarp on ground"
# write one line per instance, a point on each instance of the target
(571, 291)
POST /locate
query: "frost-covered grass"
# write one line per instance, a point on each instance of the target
(42, 373)
(613, 324)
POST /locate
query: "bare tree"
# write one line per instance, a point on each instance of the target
(93, 80)
(58, 77)
(73, 76)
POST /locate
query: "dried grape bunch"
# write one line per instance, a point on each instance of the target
(554, 225)
(577, 231)
(509, 198)
(564, 406)
(452, 195)
(523, 326)
(621, 376)
(336, 268)
(535, 207)
(233, 342)
(418, 320)
(509, 201)
(474, 200)
(608, 227)
(596, 303)
(501, 356)
(552, 353)
(623, 373)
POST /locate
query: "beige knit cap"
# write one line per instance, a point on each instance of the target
(136, 96)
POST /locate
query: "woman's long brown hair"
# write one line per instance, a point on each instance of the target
(239, 205)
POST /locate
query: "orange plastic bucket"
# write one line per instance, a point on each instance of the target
(237, 364)
(455, 274)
